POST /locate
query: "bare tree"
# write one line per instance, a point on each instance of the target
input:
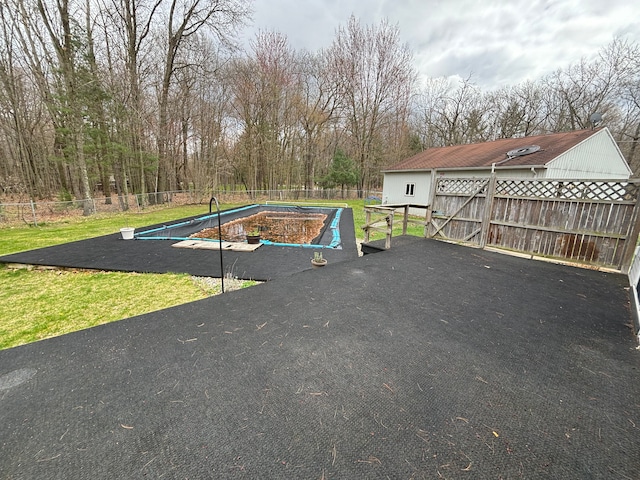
(582, 89)
(185, 19)
(452, 115)
(625, 56)
(318, 105)
(517, 111)
(128, 26)
(209, 167)
(265, 88)
(25, 167)
(376, 78)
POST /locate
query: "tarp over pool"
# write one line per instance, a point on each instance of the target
(328, 237)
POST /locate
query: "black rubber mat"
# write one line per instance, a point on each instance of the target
(429, 360)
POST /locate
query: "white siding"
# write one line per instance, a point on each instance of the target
(393, 189)
(598, 157)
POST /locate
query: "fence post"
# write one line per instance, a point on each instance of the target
(632, 236)
(405, 220)
(427, 219)
(367, 221)
(488, 208)
(33, 212)
(433, 195)
(389, 219)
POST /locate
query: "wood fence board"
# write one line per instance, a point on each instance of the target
(583, 220)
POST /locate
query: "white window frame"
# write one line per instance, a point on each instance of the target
(409, 190)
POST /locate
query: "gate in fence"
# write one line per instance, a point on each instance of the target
(589, 221)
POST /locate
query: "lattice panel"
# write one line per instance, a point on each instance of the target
(462, 186)
(568, 190)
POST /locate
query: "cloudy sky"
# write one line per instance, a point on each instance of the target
(497, 42)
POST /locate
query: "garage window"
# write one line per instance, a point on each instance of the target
(408, 190)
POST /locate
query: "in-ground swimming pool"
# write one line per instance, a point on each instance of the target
(292, 226)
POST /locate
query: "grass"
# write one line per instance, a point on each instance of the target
(38, 304)
(42, 304)
(16, 239)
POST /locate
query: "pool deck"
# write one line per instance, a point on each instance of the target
(429, 360)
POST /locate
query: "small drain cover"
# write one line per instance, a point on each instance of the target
(15, 378)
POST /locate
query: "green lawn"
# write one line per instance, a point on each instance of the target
(15, 239)
(40, 304)
(37, 304)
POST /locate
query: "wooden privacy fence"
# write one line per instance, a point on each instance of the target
(588, 221)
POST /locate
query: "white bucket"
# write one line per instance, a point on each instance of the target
(127, 233)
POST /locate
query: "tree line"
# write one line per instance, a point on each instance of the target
(144, 96)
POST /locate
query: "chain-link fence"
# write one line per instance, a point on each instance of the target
(36, 212)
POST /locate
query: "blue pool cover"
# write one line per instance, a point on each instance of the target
(182, 230)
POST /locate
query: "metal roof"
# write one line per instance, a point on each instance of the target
(484, 155)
